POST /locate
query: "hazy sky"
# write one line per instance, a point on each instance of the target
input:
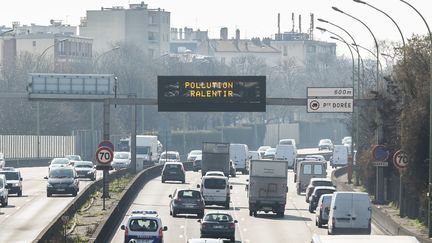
(253, 18)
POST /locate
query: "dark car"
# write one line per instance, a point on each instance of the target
(316, 194)
(186, 201)
(173, 171)
(314, 182)
(218, 225)
(197, 163)
(85, 169)
(62, 180)
(13, 180)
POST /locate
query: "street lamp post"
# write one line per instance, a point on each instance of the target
(358, 92)
(378, 138)
(430, 119)
(38, 102)
(350, 164)
(92, 104)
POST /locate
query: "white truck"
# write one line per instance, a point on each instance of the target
(146, 150)
(268, 186)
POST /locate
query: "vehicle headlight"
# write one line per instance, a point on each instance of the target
(90, 172)
(15, 184)
(49, 185)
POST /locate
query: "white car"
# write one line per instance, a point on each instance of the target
(121, 160)
(254, 155)
(143, 225)
(192, 155)
(59, 162)
(169, 156)
(263, 149)
(2, 160)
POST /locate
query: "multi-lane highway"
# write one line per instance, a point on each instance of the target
(298, 225)
(25, 217)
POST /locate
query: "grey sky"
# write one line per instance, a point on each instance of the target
(253, 18)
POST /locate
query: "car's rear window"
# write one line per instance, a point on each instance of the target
(214, 183)
(171, 166)
(189, 194)
(322, 183)
(143, 224)
(10, 175)
(218, 217)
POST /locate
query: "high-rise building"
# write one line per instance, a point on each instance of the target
(148, 29)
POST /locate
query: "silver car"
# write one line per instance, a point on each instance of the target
(121, 160)
(322, 210)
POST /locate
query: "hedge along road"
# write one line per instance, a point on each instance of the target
(264, 228)
(25, 217)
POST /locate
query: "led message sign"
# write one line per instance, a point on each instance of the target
(212, 93)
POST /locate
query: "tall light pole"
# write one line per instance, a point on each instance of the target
(378, 138)
(38, 102)
(353, 77)
(430, 119)
(358, 92)
(92, 104)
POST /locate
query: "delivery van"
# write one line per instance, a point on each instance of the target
(239, 154)
(350, 213)
(287, 153)
(215, 190)
(340, 156)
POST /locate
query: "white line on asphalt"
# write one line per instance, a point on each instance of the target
(236, 216)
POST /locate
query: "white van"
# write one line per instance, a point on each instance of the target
(215, 190)
(350, 212)
(340, 156)
(239, 154)
(286, 152)
(364, 238)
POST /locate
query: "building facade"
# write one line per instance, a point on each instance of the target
(148, 29)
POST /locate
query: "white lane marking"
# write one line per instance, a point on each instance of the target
(18, 208)
(28, 200)
(181, 236)
(236, 216)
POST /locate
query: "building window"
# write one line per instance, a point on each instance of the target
(151, 36)
(151, 52)
(223, 60)
(34, 43)
(285, 51)
(311, 49)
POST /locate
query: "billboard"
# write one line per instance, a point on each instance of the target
(212, 93)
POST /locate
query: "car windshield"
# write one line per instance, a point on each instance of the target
(270, 151)
(214, 183)
(218, 217)
(73, 157)
(189, 194)
(10, 175)
(60, 161)
(171, 156)
(83, 165)
(121, 156)
(62, 173)
(143, 224)
(325, 141)
(195, 152)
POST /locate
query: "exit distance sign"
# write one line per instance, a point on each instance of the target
(330, 92)
(330, 105)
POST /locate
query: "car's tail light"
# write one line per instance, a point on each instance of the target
(333, 222)
(161, 234)
(370, 223)
(232, 226)
(204, 225)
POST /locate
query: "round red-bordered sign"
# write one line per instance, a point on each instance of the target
(400, 159)
(104, 155)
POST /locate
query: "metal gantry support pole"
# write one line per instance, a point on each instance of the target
(106, 136)
(133, 138)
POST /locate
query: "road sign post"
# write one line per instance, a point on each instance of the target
(400, 161)
(104, 157)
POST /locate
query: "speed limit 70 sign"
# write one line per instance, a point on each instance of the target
(104, 155)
